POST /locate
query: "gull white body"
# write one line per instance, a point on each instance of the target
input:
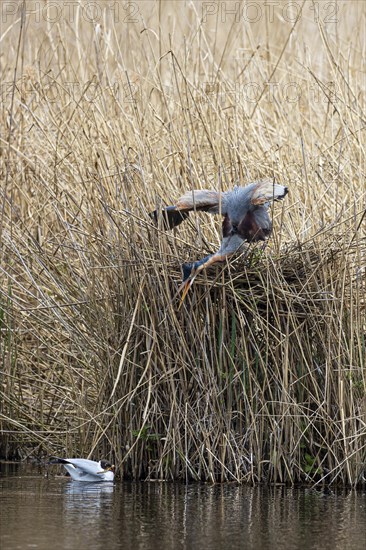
(82, 469)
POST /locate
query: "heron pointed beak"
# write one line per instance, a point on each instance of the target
(186, 286)
(190, 272)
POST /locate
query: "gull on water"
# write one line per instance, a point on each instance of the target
(82, 469)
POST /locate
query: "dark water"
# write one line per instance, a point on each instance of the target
(56, 513)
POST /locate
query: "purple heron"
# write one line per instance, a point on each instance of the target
(246, 218)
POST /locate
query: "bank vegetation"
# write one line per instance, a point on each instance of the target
(260, 376)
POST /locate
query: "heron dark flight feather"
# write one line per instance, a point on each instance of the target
(245, 212)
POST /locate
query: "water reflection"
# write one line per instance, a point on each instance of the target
(60, 514)
(89, 490)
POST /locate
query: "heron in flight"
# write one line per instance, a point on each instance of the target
(82, 469)
(246, 219)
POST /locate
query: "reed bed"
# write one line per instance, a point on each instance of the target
(260, 376)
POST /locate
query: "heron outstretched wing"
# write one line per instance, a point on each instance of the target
(205, 200)
(265, 191)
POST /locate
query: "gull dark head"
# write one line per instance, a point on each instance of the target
(107, 466)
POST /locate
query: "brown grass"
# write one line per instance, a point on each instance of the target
(261, 375)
